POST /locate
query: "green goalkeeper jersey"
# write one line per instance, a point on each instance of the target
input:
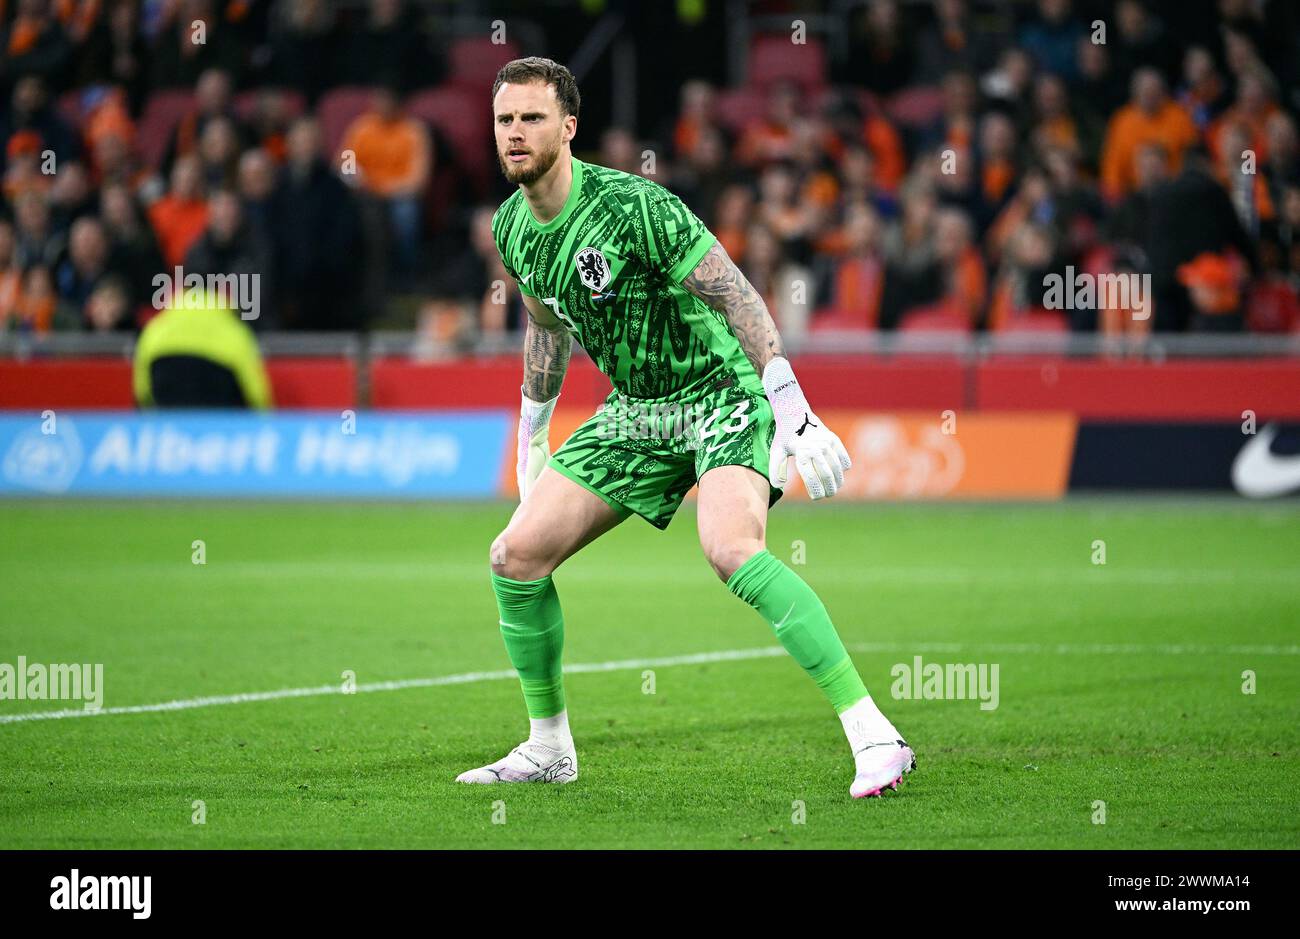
(610, 268)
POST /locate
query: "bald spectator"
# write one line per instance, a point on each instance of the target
(178, 218)
(1151, 117)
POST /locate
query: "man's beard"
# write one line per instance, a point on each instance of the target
(543, 160)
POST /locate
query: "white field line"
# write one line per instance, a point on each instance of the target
(701, 658)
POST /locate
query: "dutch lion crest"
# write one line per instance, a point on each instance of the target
(593, 269)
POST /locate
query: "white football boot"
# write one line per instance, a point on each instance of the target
(531, 761)
(881, 756)
(881, 766)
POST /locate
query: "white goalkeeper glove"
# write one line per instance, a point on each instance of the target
(534, 441)
(818, 454)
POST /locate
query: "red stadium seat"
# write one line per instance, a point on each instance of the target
(163, 111)
(940, 318)
(476, 61)
(737, 107)
(915, 107)
(1044, 321)
(336, 110)
(245, 103)
(68, 107)
(775, 58)
(463, 116)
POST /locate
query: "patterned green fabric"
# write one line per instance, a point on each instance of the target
(610, 267)
(644, 456)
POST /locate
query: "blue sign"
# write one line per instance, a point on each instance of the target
(222, 453)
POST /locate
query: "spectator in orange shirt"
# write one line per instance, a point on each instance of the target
(38, 305)
(955, 126)
(965, 284)
(23, 172)
(789, 218)
(11, 276)
(33, 44)
(858, 278)
(997, 156)
(1018, 291)
(697, 113)
(394, 161)
(1240, 175)
(179, 218)
(769, 139)
(1150, 117)
(733, 212)
(1256, 103)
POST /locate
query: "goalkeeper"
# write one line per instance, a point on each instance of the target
(621, 265)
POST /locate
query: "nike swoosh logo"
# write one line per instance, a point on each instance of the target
(528, 278)
(781, 622)
(1260, 473)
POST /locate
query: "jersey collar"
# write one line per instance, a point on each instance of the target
(575, 192)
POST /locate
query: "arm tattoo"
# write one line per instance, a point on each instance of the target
(546, 359)
(719, 283)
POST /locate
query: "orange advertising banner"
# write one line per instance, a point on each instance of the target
(925, 455)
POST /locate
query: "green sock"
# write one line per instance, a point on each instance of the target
(533, 628)
(801, 623)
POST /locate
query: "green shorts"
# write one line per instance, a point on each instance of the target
(643, 455)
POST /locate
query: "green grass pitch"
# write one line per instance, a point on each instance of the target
(1119, 683)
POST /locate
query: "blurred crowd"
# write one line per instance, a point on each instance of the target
(932, 170)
